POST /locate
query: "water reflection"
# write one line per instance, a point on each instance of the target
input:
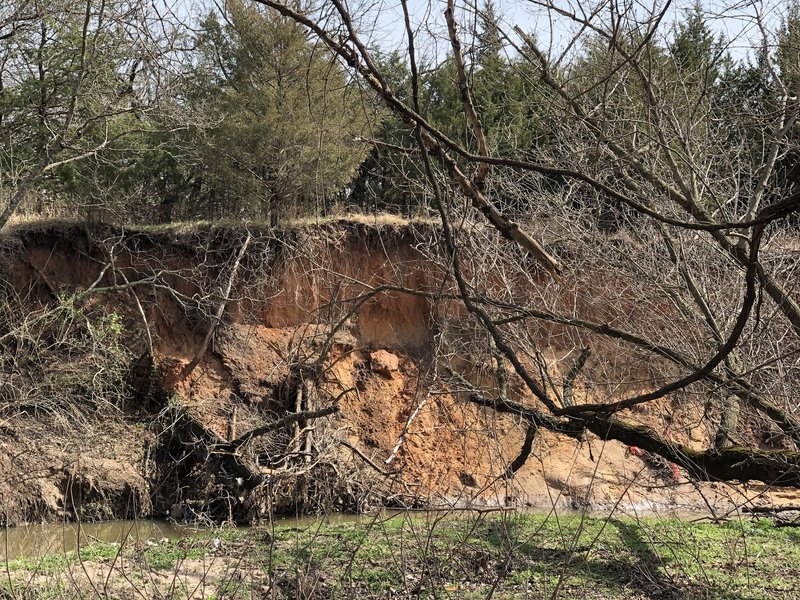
(33, 541)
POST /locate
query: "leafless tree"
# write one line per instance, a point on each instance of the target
(692, 289)
(77, 78)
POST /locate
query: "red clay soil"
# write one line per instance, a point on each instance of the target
(404, 428)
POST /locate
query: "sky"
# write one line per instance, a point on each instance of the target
(734, 20)
(383, 19)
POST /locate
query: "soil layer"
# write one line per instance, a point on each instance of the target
(144, 372)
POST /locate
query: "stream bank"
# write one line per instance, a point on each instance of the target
(237, 373)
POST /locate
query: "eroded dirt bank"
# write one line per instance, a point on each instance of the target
(179, 371)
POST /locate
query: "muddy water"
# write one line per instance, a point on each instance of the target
(33, 541)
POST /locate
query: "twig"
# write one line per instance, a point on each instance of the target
(187, 370)
(282, 422)
(366, 459)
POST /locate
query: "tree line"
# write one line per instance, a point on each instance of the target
(125, 111)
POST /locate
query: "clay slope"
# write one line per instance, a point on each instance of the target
(136, 363)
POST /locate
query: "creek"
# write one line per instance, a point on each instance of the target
(34, 541)
(38, 540)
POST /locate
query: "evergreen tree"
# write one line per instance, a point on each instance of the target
(695, 50)
(70, 76)
(788, 52)
(788, 60)
(286, 116)
(387, 180)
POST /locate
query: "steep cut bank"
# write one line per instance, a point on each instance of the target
(225, 372)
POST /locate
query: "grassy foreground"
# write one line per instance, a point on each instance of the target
(433, 556)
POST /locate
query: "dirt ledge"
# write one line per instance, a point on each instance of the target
(99, 419)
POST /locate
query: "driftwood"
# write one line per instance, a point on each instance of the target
(776, 467)
(225, 454)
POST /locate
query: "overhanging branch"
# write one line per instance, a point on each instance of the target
(776, 467)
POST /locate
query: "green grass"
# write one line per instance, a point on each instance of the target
(165, 557)
(509, 555)
(593, 558)
(57, 561)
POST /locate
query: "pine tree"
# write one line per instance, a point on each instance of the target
(287, 118)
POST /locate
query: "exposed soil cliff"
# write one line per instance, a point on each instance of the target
(134, 362)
